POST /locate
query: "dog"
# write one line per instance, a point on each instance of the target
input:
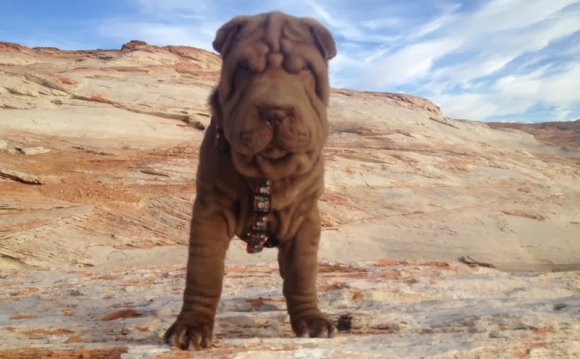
(261, 170)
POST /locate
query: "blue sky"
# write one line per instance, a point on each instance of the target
(503, 60)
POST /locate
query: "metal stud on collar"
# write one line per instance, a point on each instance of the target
(257, 237)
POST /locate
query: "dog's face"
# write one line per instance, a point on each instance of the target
(273, 92)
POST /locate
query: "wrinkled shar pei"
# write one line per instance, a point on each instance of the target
(260, 170)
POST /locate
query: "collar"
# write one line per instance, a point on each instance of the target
(256, 234)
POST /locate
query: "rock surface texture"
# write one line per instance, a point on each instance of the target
(98, 151)
(383, 309)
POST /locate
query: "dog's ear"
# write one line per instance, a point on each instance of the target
(323, 38)
(227, 33)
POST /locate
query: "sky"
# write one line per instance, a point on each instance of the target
(490, 60)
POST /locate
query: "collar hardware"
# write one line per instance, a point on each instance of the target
(257, 237)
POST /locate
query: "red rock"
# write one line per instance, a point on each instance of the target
(133, 44)
(125, 313)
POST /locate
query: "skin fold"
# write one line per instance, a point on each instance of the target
(271, 105)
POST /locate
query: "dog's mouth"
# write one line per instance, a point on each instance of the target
(274, 152)
(273, 143)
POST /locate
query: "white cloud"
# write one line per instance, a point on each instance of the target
(511, 95)
(382, 23)
(475, 61)
(455, 58)
(501, 15)
(156, 33)
(466, 106)
(405, 65)
(322, 13)
(174, 7)
(445, 18)
(562, 89)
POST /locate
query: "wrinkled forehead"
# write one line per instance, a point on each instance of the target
(274, 34)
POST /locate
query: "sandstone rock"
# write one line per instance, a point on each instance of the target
(432, 310)
(402, 179)
(133, 44)
(18, 176)
(558, 133)
(31, 151)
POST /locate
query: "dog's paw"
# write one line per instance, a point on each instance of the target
(316, 326)
(184, 334)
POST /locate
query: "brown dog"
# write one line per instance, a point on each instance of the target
(261, 171)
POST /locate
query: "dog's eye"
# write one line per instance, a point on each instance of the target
(244, 66)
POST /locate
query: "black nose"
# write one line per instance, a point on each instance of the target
(274, 115)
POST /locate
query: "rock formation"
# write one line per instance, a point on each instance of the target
(98, 151)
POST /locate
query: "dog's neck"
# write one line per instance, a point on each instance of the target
(256, 234)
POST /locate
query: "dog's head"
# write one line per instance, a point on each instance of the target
(272, 96)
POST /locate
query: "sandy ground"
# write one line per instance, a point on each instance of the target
(383, 309)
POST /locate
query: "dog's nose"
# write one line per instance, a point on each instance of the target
(274, 115)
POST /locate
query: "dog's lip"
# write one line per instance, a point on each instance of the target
(273, 152)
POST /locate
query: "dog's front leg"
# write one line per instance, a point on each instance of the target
(208, 243)
(298, 260)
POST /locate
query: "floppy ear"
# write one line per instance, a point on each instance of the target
(323, 38)
(226, 34)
